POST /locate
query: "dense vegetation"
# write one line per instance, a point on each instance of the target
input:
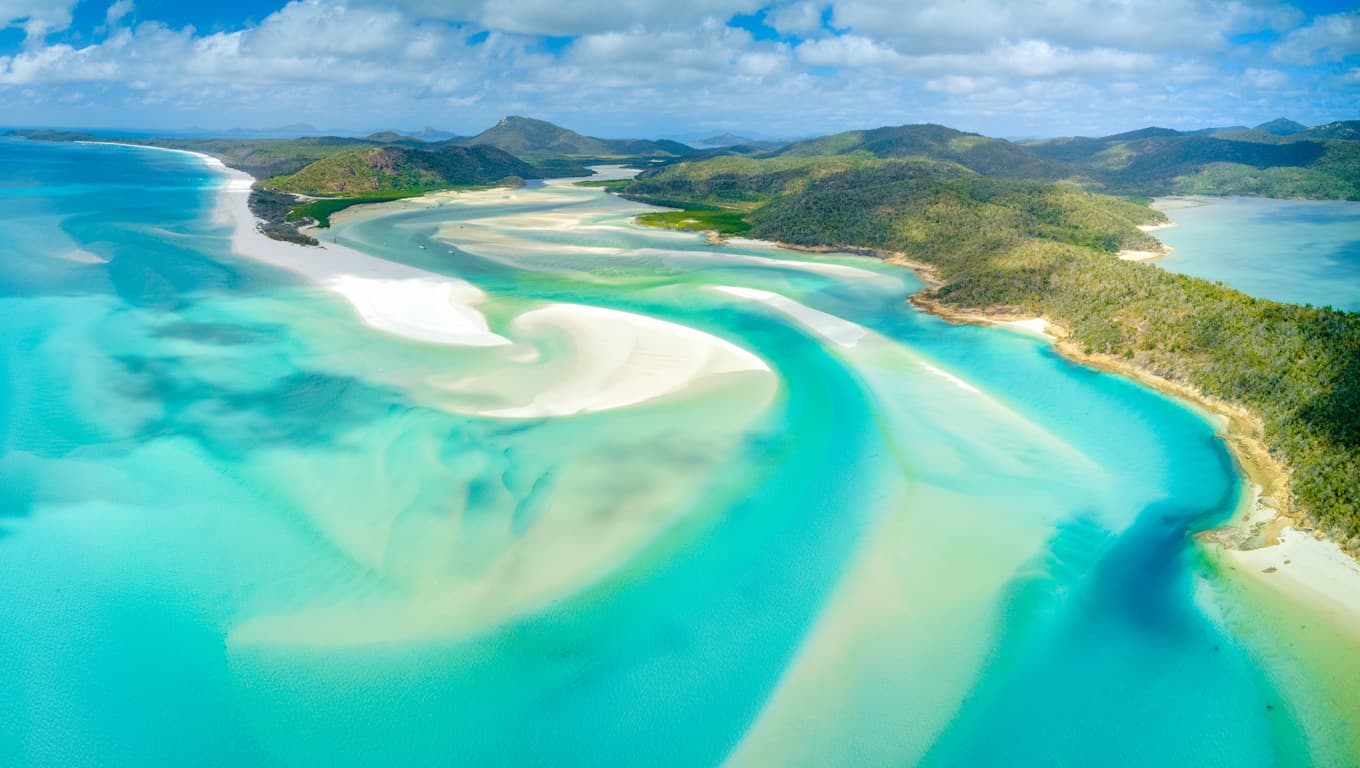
(1272, 160)
(320, 211)
(274, 210)
(1048, 249)
(392, 168)
(727, 222)
(993, 157)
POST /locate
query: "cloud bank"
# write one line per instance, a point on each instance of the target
(661, 68)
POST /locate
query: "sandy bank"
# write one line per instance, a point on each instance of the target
(395, 298)
(1129, 254)
(1306, 568)
(390, 297)
(842, 333)
(603, 359)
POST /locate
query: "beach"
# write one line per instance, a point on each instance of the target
(616, 359)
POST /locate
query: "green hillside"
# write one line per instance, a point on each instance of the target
(1281, 126)
(1047, 249)
(993, 157)
(1160, 161)
(526, 136)
(1344, 130)
(392, 168)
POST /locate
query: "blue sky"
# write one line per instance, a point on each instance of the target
(665, 68)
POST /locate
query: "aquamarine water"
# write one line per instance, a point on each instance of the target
(1296, 251)
(240, 527)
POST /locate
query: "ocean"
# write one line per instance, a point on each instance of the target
(240, 526)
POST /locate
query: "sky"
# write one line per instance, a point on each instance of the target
(678, 68)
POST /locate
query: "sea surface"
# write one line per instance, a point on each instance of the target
(240, 527)
(1295, 251)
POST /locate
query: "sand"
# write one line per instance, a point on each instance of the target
(1032, 325)
(615, 359)
(390, 297)
(1306, 568)
(395, 298)
(604, 359)
(842, 333)
(1134, 255)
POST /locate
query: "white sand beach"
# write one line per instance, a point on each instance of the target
(1032, 325)
(615, 359)
(1136, 255)
(604, 359)
(1308, 569)
(395, 298)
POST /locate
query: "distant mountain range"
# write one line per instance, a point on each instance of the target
(1279, 158)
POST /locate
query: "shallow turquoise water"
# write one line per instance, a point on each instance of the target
(240, 528)
(1296, 251)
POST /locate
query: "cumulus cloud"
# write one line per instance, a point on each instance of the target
(1327, 39)
(1136, 25)
(800, 18)
(36, 17)
(118, 11)
(654, 65)
(578, 17)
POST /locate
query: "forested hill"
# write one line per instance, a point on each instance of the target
(362, 171)
(526, 136)
(1271, 160)
(1048, 249)
(993, 157)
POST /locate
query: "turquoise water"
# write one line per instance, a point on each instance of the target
(1296, 251)
(240, 527)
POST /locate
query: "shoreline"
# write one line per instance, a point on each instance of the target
(404, 301)
(644, 358)
(423, 306)
(1264, 532)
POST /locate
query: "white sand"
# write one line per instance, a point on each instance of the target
(1032, 325)
(1132, 255)
(395, 298)
(611, 359)
(840, 332)
(951, 378)
(1306, 568)
(1155, 227)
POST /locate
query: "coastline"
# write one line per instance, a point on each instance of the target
(620, 358)
(1261, 536)
(401, 300)
(1264, 533)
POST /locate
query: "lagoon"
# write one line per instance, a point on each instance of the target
(245, 522)
(1295, 251)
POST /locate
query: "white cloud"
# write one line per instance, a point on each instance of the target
(36, 17)
(1265, 78)
(1326, 39)
(119, 10)
(798, 18)
(578, 17)
(1138, 25)
(654, 65)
